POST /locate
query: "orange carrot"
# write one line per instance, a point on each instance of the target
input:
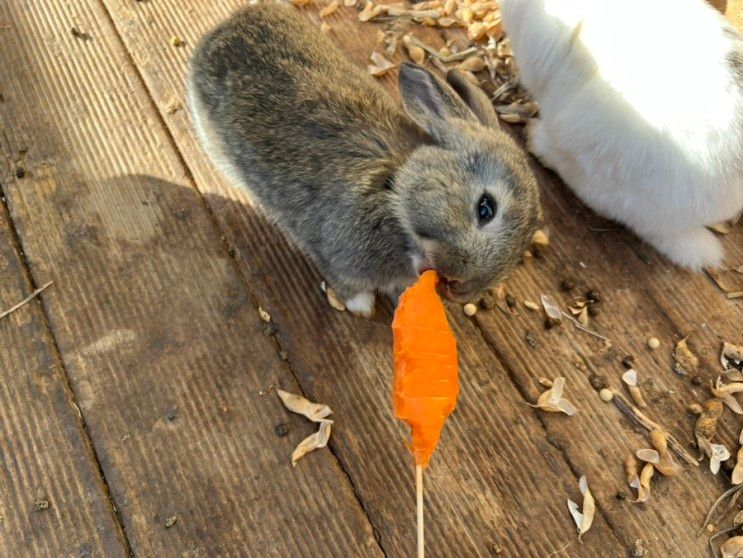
(425, 359)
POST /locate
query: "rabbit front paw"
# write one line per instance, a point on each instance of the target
(538, 142)
(361, 304)
(693, 248)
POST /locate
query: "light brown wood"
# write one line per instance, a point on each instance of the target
(53, 501)
(164, 347)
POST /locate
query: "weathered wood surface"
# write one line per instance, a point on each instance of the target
(169, 389)
(163, 346)
(348, 345)
(52, 497)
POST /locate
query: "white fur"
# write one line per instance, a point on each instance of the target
(640, 113)
(361, 304)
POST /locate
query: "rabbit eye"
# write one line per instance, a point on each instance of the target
(486, 209)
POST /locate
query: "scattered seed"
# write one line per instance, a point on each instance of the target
(265, 316)
(593, 296)
(176, 41)
(697, 380)
(606, 395)
(621, 495)
(169, 522)
(510, 301)
(531, 305)
(470, 309)
(653, 343)
(546, 382)
(20, 172)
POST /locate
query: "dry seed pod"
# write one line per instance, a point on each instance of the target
(416, 53)
(630, 471)
(666, 464)
(712, 408)
(630, 378)
(737, 476)
(472, 64)
(329, 9)
(732, 548)
(695, 409)
(643, 483)
(685, 362)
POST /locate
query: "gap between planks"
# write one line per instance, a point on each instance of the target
(67, 386)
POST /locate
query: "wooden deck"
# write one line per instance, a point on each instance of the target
(132, 413)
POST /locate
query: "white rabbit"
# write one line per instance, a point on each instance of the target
(641, 112)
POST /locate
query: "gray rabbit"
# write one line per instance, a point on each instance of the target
(371, 193)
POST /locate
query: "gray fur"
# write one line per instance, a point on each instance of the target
(347, 175)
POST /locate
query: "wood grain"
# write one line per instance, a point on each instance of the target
(163, 345)
(496, 473)
(52, 497)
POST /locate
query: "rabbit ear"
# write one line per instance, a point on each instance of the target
(429, 101)
(475, 98)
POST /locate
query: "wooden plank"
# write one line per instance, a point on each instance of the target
(164, 347)
(52, 497)
(348, 364)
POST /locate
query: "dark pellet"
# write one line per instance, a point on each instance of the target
(281, 430)
(510, 301)
(697, 380)
(621, 495)
(20, 172)
(549, 323)
(597, 382)
(567, 285)
(628, 361)
(487, 302)
(593, 296)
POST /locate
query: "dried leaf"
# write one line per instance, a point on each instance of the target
(329, 9)
(648, 455)
(312, 442)
(737, 476)
(685, 361)
(316, 412)
(717, 455)
(733, 404)
(551, 308)
(381, 65)
(583, 520)
(720, 390)
(552, 400)
(719, 228)
(630, 377)
(732, 548)
(643, 483)
(731, 356)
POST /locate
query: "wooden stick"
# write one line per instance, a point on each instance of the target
(419, 506)
(623, 404)
(25, 301)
